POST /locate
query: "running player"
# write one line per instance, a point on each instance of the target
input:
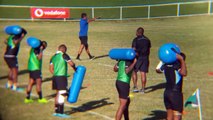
(124, 69)
(58, 67)
(10, 57)
(141, 44)
(83, 35)
(34, 67)
(173, 96)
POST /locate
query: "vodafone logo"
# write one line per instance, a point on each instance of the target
(50, 12)
(38, 12)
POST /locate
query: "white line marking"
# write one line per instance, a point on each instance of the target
(106, 65)
(69, 105)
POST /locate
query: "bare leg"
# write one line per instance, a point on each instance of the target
(10, 78)
(88, 52)
(135, 78)
(80, 51)
(15, 77)
(126, 111)
(143, 79)
(121, 108)
(169, 114)
(38, 87)
(29, 87)
(177, 115)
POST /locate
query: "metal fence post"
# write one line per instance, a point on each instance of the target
(210, 7)
(121, 13)
(149, 11)
(93, 13)
(178, 9)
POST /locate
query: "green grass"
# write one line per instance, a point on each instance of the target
(192, 34)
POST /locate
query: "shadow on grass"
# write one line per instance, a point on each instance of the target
(44, 80)
(47, 79)
(21, 72)
(155, 87)
(89, 106)
(54, 94)
(157, 115)
(48, 97)
(101, 56)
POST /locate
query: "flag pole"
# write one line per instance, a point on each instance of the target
(199, 104)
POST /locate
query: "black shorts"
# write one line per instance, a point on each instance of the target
(35, 74)
(123, 89)
(11, 62)
(173, 100)
(84, 40)
(59, 83)
(142, 65)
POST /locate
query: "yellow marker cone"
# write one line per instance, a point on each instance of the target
(131, 96)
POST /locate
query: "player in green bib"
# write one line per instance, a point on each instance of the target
(124, 69)
(10, 57)
(58, 67)
(34, 67)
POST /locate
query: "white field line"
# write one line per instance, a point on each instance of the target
(72, 106)
(106, 65)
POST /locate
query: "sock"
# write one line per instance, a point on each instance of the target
(56, 108)
(78, 56)
(61, 108)
(40, 95)
(28, 95)
(9, 84)
(14, 87)
(90, 55)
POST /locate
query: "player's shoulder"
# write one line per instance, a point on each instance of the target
(66, 56)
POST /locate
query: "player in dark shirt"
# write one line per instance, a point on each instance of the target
(10, 57)
(141, 44)
(173, 96)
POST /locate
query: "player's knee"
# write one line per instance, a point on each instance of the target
(177, 115)
(86, 46)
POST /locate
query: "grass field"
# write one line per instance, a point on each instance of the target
(98, 100)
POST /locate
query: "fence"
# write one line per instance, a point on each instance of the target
(11, 12)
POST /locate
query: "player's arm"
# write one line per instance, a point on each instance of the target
(183, 69)
(72, 64)
(116, 67)
(18, 38)
(134, 46)
(129, 68)
(159, 68)
(93, 19)
(51, 68)
(42, 48)
(69, 61)
(5, 41)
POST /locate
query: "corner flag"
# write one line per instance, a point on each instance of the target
(194, 101)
